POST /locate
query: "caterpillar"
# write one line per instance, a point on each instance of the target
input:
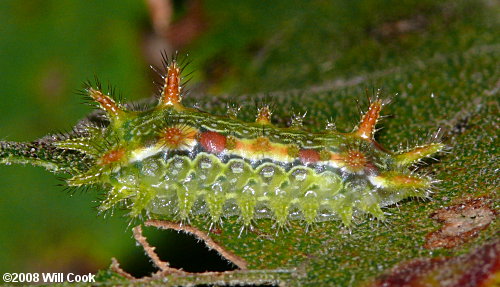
(175, 162)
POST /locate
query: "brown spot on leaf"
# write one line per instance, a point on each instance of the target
(462, 222)
(216, 231)
(479, 267)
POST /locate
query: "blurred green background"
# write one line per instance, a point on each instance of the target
(49, 48)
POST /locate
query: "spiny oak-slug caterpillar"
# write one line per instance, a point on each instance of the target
(175, 162)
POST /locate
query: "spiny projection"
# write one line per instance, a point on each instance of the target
(174, 162)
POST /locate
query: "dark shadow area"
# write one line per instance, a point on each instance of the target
(181, 250)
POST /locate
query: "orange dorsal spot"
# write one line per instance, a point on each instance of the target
(261, 144)
(281, 150)
(366, 128)
(355, 160)
(264, 116)
(176, 137)
(106, 102)
(112, 156)
(213, 142)
(309, 156)
(173, 137)
(171, 93)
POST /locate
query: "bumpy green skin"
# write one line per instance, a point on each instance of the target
(177, 184)
(173, 162)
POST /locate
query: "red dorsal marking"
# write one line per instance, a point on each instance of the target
(213, 141)
(309, 156)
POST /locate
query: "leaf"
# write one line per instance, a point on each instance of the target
(443, 67)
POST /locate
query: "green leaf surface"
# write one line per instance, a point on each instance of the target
(439, 64)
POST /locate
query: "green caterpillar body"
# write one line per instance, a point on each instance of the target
(175, 162)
